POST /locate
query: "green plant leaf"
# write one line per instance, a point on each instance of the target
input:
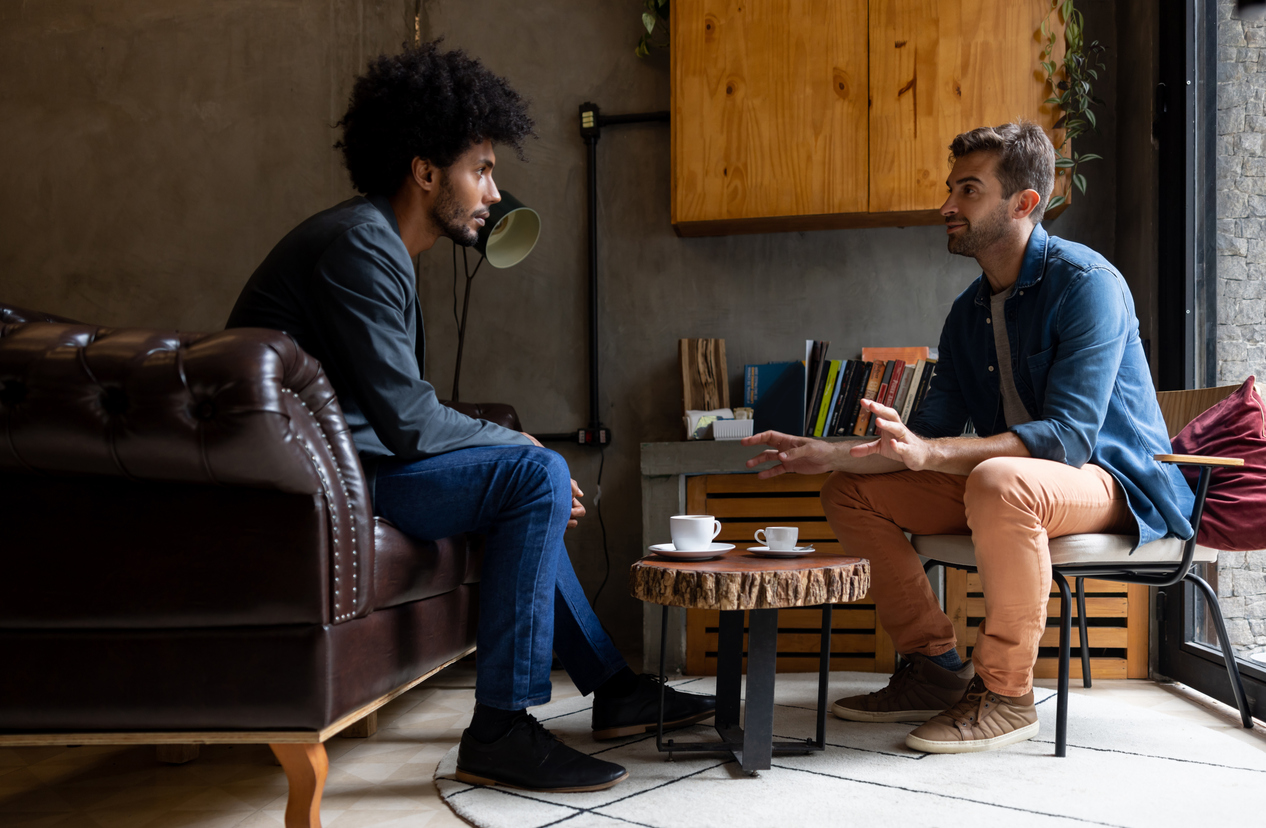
(1056, 201)
(1090, 116)
(1063, 163)
(1080, 181)
(648, 20)
(1090, 156)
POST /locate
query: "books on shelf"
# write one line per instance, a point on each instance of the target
(821, 397)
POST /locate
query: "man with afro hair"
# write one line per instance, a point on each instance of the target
(418, 140)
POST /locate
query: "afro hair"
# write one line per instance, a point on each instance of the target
(428, 104)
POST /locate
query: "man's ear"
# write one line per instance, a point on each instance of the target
(1026, 203)
(424, 174)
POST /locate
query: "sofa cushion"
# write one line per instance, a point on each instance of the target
(1235, 510)
(408, 570)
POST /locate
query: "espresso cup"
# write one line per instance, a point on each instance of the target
(693, 531)
(778, 538)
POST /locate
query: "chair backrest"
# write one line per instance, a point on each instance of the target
(1181, 407)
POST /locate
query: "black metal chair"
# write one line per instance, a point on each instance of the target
(1161, 563)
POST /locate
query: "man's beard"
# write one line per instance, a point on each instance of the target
(977, 237)
(452, 219)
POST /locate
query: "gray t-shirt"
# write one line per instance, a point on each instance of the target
(1012, 408)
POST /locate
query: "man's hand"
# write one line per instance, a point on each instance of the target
(895, 441)
(577, 508)
(801, 455)
(535, 442)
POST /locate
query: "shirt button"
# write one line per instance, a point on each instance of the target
(988, 320)
(990, 367)
(1021, 293)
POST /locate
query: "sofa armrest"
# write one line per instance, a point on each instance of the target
(244, 407)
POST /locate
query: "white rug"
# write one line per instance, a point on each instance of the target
(1125, 767)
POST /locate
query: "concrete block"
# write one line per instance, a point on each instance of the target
(1250, 166)
(1232, 351)
(1230, 227)
(1250, 143)
(1240, 633)
(1248, 312)
(1256, 253)
(1254, 36)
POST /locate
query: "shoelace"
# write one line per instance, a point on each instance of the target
(895, 684)
(971, 705)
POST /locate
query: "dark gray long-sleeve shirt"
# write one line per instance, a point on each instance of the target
(341, 283)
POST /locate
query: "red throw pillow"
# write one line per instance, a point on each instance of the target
(1235, 510)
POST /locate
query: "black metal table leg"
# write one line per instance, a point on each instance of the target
(729, 669)
(758, 726)
(824, 675)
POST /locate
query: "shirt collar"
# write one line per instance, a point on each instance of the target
(384, 206)
(1032, 268)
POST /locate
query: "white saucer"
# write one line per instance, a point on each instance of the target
(766, 552)
(712, 550)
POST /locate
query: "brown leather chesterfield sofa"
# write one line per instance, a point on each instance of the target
(190, 555)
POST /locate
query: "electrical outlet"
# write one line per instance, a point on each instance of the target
(593, 436)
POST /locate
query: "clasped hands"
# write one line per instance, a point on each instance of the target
(806, 455)
(577, 508)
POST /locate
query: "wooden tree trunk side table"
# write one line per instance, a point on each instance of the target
(736, 582)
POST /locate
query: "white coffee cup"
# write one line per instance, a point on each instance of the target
(778, 538)
(692, 532)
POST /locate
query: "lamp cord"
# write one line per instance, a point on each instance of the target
(606, 554)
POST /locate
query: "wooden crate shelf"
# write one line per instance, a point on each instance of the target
(1117, 614)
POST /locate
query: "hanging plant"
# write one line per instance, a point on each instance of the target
(1072, 90)
(654, 17)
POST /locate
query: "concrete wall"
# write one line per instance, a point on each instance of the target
(153, 156)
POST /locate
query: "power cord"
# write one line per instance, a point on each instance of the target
(597, 502)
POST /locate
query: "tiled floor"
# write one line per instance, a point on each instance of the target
(381, 781)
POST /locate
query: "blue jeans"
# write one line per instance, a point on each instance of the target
(530, 603)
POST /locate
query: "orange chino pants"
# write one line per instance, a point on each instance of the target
(1010, 506)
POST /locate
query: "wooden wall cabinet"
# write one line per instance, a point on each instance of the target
(820, 114)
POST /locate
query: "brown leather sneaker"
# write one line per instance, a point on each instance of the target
(981, 721)
(918, 691)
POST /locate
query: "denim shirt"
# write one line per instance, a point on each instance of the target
(1079, 369)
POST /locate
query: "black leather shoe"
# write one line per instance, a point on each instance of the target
(533, 759)
(638, 711)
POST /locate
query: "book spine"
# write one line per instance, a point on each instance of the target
(855, 412)
(841, 383)
(929, 371)
(819, 418)
(882, 394)
(813, 391)
(848, 397)
(749, 386)
(872, 388)
(915, 380)
(894, 384)
(903, 390)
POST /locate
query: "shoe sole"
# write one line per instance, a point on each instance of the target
(472, 779)
(634, 730)
(854, 715)
(975, 745)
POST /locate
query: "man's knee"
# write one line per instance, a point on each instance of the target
(994, 482)
(550, 465)
(843, 490)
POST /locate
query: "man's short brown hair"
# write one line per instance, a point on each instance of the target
(1026, 158)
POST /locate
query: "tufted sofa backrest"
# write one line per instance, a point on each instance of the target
(244, 407)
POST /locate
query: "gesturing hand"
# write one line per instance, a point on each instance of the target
(577, 508)
(894, 440)
(801, 455)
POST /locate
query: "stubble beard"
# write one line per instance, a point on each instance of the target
(980, 236)
(451, 218)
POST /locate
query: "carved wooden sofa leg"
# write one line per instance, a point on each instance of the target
(306, 767)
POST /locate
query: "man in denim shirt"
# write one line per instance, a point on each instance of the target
(1042, 355)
